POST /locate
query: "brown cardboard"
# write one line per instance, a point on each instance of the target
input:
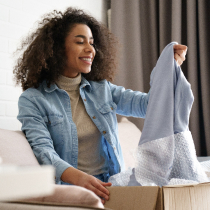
(141, 198)
(159, 204)
(191, 197)
(182, 197)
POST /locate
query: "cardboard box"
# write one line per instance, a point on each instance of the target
(179, 197)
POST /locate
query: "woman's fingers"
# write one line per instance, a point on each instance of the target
(180, 47)
(177, 58)
(180, 53)
(99, 191)
(102, 201)
(101, 188)
(105, 184)
(94, 184)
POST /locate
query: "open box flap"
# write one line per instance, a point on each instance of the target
(186, 185)
(187, 197)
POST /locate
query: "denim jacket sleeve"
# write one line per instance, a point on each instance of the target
(38, 136)
(129, 103)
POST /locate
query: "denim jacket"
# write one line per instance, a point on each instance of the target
(45, 114)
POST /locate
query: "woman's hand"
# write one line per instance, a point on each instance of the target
(74, 176)
(95, 185)
(180, 52)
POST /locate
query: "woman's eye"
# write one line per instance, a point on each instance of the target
(79, 42)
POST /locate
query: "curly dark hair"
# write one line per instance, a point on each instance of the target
(44, 56)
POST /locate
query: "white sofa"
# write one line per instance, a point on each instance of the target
(15, 150)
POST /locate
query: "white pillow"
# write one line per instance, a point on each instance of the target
(15, 149)
(129, 136)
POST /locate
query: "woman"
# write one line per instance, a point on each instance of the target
(69, 105)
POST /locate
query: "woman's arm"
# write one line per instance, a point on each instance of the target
(129, 103)
(39, 138)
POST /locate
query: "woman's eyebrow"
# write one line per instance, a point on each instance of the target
(82, 36)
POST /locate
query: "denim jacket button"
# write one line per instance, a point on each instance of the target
(94, 117)
(84, 99)
(111, 108)
(104, 132)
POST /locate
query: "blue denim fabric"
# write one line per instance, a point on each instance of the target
(45, 114)
(103, 177)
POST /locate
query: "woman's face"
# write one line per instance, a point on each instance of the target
(79, 50)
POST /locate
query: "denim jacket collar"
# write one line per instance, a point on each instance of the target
(84, 83)
(49, 89)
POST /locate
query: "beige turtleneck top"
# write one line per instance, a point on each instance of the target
(89, 138)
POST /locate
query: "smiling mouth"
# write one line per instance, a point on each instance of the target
(86, 60)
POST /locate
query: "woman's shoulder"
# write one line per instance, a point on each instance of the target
(33, 92)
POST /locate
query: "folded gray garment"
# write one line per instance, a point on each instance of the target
(166, 149)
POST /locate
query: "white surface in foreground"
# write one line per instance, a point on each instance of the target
(24, 182)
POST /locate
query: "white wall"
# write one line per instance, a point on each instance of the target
(17, 17)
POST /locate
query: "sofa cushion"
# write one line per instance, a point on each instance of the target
(70, 195)
(129, 136)
(43, 206)
(15, 149)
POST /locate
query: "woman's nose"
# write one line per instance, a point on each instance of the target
(89, 48)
